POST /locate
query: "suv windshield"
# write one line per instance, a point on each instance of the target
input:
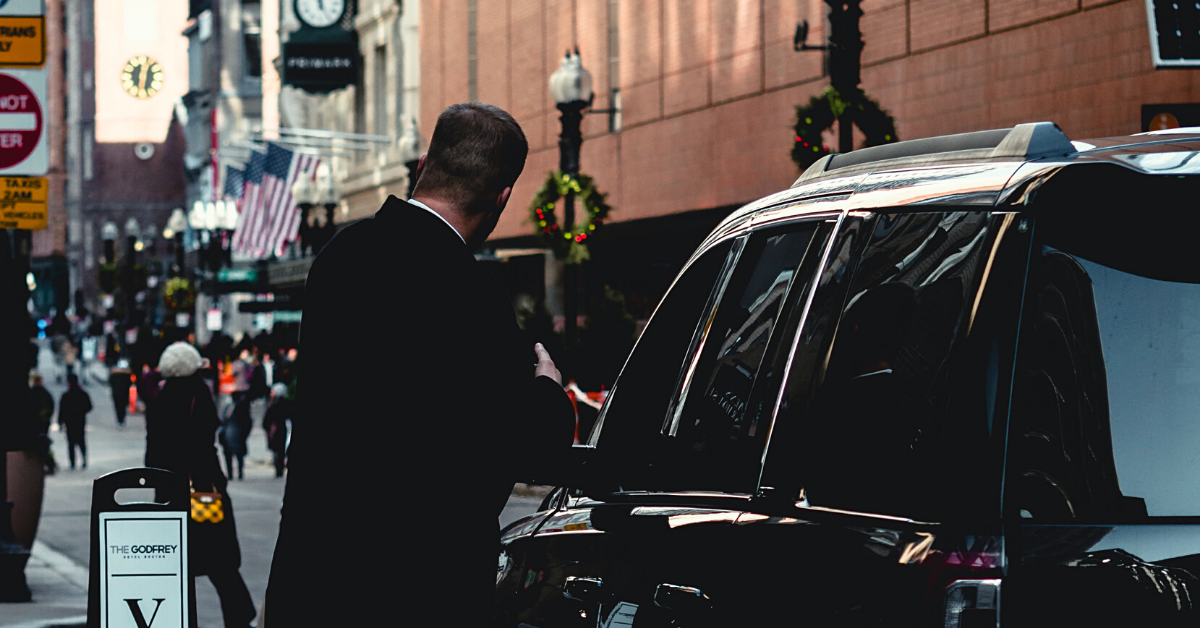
(1109, 383)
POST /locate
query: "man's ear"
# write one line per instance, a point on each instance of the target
(502, 198)
(420, 166)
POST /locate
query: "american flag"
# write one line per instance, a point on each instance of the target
(235, 180)
(251, 215)
(281, 220)
(235, 184)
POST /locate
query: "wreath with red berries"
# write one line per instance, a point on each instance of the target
(824, 109)
(570, 242)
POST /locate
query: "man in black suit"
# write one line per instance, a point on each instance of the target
(419, 403)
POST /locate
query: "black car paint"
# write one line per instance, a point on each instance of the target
(679, 559)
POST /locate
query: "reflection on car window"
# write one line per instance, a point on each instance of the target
(639, 401)
(711, 438)
(1109, 393)
(880, 435)
(713, 422)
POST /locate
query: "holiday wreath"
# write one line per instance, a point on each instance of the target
(570, 242)
(179, 294)
(823, 109)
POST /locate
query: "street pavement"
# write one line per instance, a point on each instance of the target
(58, 567)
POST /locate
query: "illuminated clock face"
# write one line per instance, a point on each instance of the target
(320, 13)
(142, 77)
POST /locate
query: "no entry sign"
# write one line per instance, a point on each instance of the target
(22, 123)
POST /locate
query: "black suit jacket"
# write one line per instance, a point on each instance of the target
(417, 410)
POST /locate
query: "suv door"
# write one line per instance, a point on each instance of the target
(881, 491)
(684, 431)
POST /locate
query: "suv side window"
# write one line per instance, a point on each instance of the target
(639, 400)
(888, 420)
(712, 434)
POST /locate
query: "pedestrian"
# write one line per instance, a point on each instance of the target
(234, 432)
(180, 432)
(279, 412)
(119, 380)
(41, 411)
(72, 416)
(451, 373)
(148, 385)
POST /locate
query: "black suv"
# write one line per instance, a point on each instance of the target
(947, 382)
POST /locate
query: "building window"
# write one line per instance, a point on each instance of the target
(380, 90)
(89, 163)
(252, 40)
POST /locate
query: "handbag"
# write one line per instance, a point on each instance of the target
(207, 507)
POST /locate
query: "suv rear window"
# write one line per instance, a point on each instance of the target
(1109, 382)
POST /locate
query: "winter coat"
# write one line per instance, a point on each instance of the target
(181, 431)
(73, 409)
(508, 419)
(275, 423)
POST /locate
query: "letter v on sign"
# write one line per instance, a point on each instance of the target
(136, 609)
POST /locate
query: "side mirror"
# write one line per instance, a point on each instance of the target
(579, 467)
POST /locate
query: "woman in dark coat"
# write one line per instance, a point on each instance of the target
(181, 429)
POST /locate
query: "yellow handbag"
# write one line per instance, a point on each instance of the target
(207, 507)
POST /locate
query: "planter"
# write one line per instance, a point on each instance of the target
(26, 487)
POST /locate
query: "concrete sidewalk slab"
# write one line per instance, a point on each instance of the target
(59, 587)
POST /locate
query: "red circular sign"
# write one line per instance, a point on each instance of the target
(20, 121)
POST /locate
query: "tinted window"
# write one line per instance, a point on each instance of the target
(711, 437)
(648, 382)
(1110, 382)
(888, 431)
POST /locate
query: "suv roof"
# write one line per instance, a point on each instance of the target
(980, 169)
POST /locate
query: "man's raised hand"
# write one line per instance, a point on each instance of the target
(545, 365)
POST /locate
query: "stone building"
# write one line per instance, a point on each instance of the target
(126, 67)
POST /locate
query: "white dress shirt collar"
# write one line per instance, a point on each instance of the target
(440, 217)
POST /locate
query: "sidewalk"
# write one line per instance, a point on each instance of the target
(59, 588)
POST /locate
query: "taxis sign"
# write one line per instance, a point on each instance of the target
(23, 203)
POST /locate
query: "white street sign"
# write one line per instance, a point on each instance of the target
(23, 149)
(143, 569)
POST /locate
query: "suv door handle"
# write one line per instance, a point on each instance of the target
(681, 599)
(583, 589)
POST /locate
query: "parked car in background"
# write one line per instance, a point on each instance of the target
(947, 382)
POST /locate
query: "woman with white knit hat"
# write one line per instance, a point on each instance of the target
(181, 429)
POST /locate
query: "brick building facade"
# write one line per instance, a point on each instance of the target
(708, 88)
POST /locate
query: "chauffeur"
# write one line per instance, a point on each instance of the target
(417, 407)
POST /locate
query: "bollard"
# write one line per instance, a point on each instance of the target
(139, 560)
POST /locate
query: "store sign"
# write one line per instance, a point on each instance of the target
(23, 203)
(143, 569)
(23, 149)
(320, 67)
(213, 321)
(237, 275)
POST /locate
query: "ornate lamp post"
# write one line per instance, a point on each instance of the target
(411, 144)
(108, 233)
(304, 193)
(571, 88)
(176, 225)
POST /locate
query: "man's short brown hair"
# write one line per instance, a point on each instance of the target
(476, 151)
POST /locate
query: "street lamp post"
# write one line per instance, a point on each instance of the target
(108, 233)
(129, 286)
(571, 88)
(176, 225)
(304, 193)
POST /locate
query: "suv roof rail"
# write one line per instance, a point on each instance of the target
(1031, 140)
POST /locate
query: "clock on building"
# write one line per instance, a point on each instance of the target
(320, 13)
(142, 77)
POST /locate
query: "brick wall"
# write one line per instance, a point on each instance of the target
(709, 86)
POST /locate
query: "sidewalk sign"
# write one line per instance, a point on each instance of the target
(139, 554)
